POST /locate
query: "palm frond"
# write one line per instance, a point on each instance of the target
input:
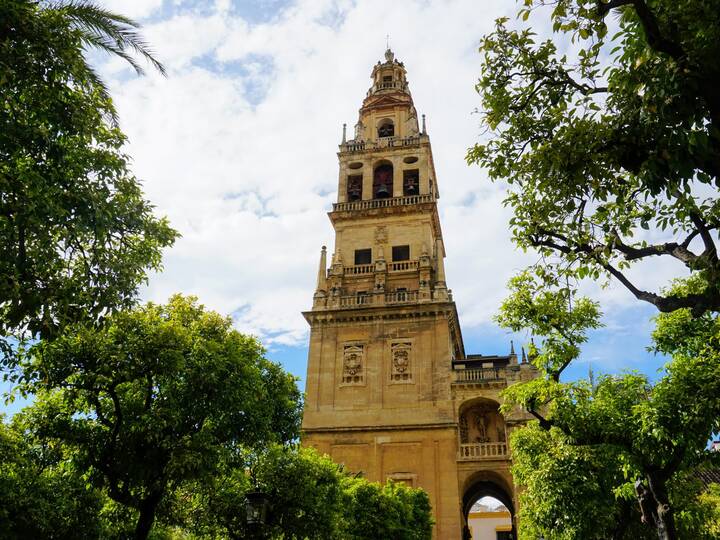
(99, 84)
(108, 31)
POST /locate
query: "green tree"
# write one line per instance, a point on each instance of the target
(612, 154)
(156, 397)
(598, 449)
(390, 510)
(310, 497)
(41, 494)
(620, 137)
(76, 234)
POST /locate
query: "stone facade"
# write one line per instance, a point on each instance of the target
(390, 391)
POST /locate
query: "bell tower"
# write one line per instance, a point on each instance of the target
(390, 391)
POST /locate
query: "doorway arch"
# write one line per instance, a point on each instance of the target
(488, 484)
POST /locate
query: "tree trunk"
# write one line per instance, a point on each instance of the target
(664, 517)
(147, 515)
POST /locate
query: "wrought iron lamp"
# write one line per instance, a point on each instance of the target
(256, 507)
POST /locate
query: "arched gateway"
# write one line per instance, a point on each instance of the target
(390, 390)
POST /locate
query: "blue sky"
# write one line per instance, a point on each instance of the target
(237, 147)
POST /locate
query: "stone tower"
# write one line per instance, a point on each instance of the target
(390, 391)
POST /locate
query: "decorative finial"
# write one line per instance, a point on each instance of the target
(322, 272)
(387, 41)
(424, 130)
(512, 347)
(524, 356)
(344, 139)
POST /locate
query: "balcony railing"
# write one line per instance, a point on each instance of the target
(477, 451)
(403, 266)
(359, 269)
(480, 375)
(382, 203)
(389, 85)
(380, 143)
(401, 297)
(392, 298)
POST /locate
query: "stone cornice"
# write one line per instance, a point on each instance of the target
(371, 313)
(380, 427)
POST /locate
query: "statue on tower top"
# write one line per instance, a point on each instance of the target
(389, 55)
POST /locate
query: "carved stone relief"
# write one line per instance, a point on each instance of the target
(353, 364)
(482, 424)
(381, 236)
(400, 362)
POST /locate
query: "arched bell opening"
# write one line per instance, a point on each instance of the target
(386, 128)
(383, 180)
(411, 182)
(488, 508)
(354, 187)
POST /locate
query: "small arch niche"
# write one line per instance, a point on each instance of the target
(410, 159)
(386, 128)
(482, 422)
(383, 180)
(355, 165)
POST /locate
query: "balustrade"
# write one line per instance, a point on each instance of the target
(382, 203)
(380, 143)
(392, 298)
(479, 375)
(476, 451)
(359, 269)
(401, 297)
(357, 300)
(403, 266)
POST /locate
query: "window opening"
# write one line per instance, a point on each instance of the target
(400, 253)
(354, 187)
(363, 256)
(386, 129)
(411, 182)
(383, 182)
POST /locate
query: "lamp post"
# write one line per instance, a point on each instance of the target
(256, 507)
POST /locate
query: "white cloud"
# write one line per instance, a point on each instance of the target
(135, 9)
(237, 146)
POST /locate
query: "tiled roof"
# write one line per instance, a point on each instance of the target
(708, 476)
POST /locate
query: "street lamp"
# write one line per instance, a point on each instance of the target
(256, 505)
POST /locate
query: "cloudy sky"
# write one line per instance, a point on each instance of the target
(237, 147)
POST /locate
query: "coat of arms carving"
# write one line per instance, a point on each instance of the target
(353, 356)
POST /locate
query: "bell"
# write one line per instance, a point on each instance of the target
(382, 192)
(411, 188)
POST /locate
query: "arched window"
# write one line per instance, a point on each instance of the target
(386, 128)
(411, 182)
(383, 181)
(354, 187)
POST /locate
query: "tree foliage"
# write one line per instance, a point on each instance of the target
(41, 494)
(311, 497)
(76, 234)
(156, 397)
(611, 151)
(610, 144)
(603, 449)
